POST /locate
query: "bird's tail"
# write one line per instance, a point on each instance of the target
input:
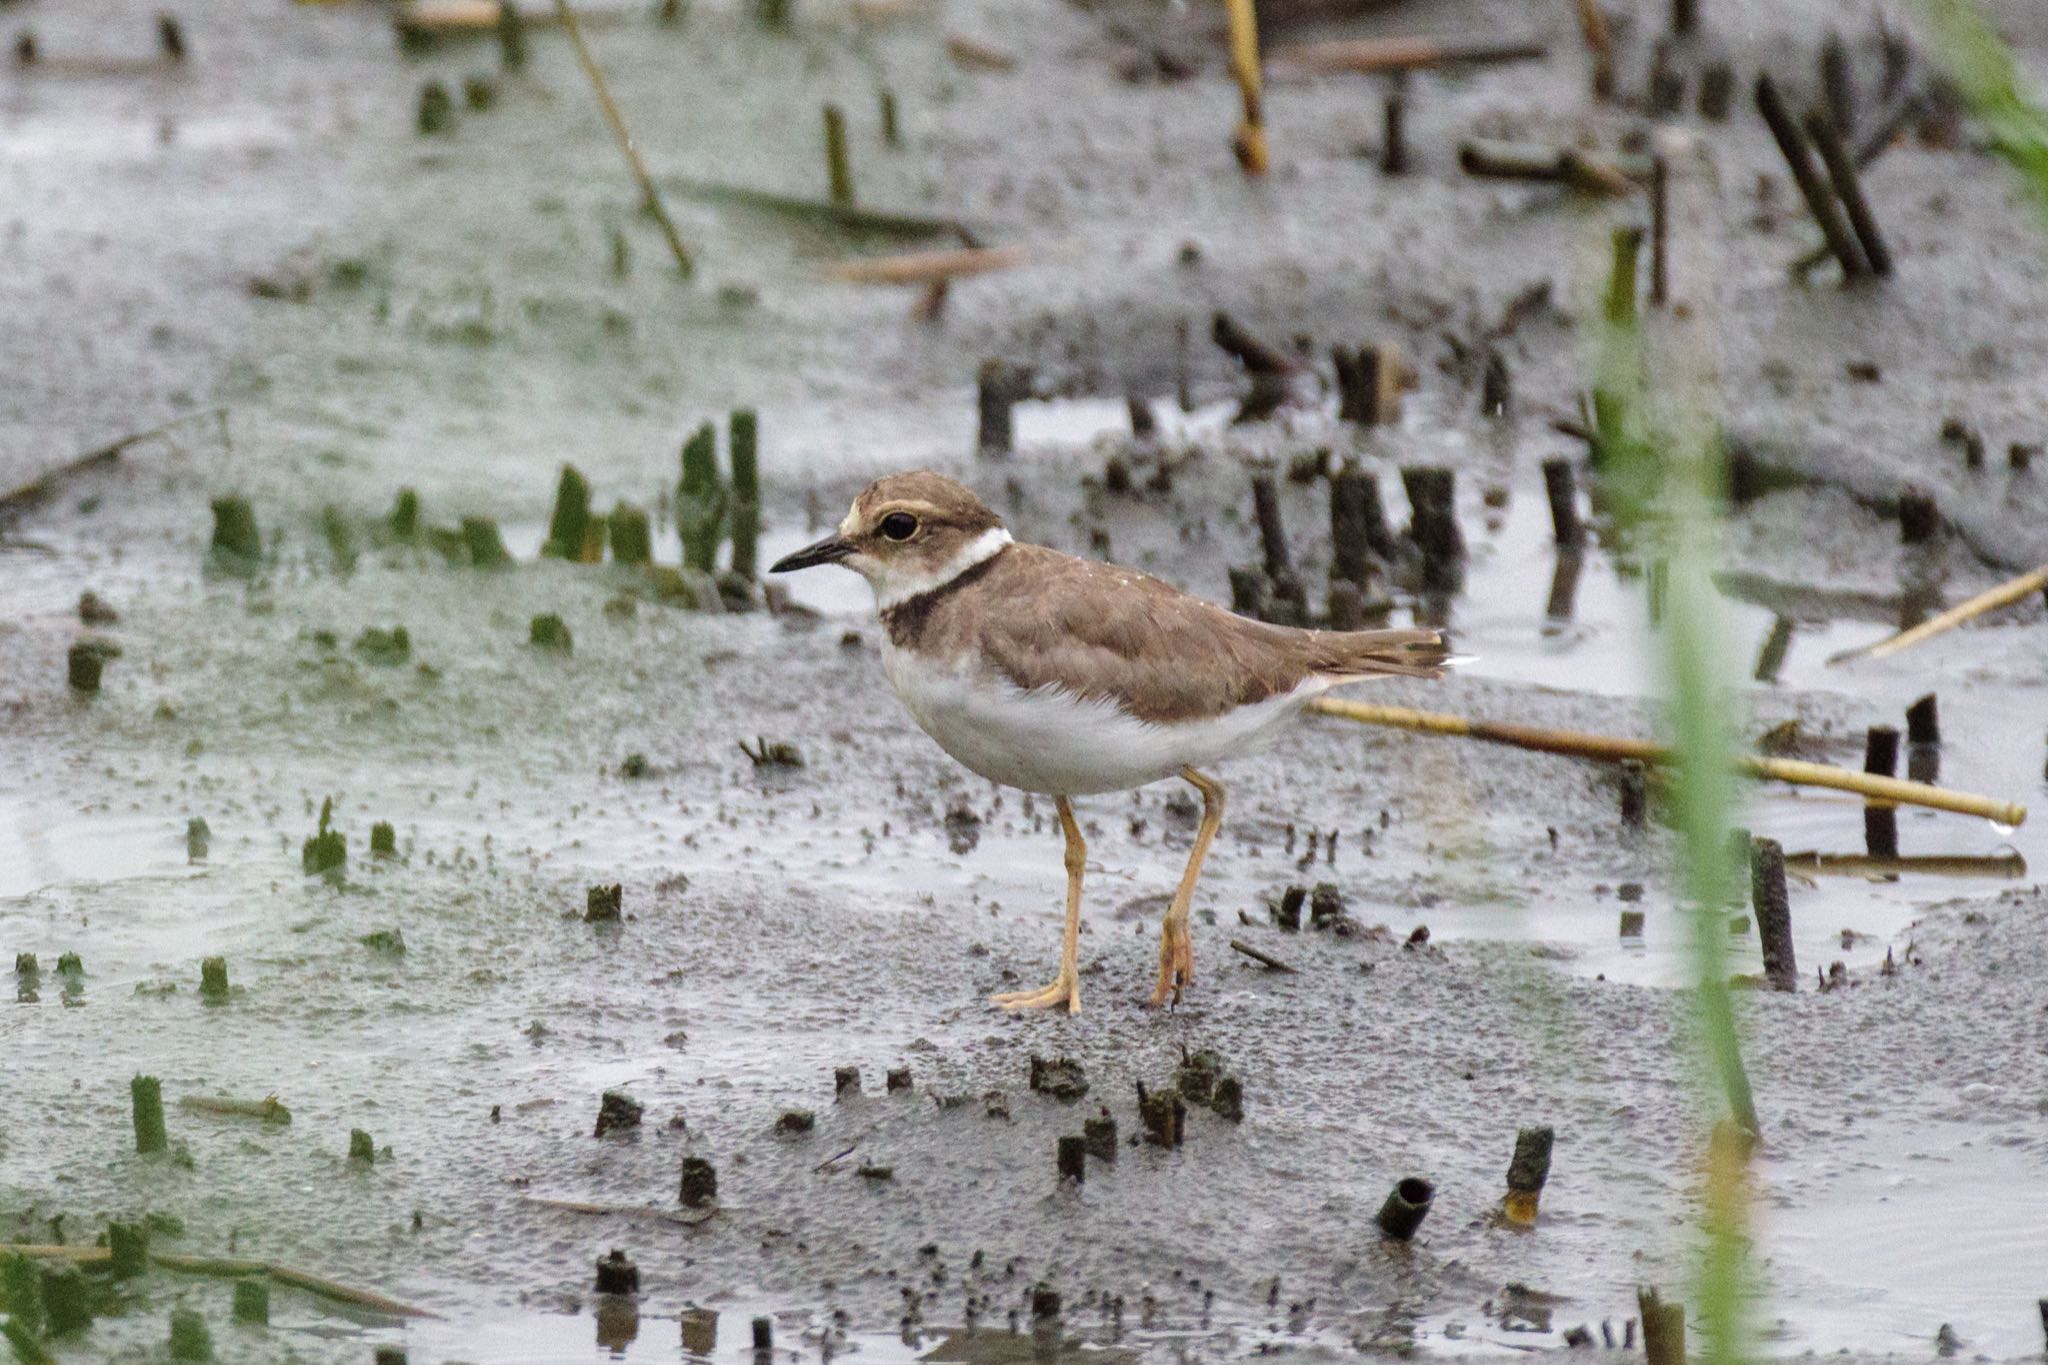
(1351, 654)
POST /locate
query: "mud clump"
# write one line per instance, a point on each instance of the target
(549, 631)
(387, 942)
(1060, 1077)
(845, 1081)
(1286, 911)
(963, 827)
(385, 648)
(604, 904)
(796, 1121)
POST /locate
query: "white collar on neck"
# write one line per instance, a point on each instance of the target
(900, 588)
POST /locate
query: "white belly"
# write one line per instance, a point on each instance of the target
(1049, 742)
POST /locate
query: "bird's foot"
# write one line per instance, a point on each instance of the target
(1065, 990)
(1176, 961)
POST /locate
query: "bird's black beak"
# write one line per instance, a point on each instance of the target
(827, 551)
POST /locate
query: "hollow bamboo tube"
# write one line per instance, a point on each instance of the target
(1612, 748)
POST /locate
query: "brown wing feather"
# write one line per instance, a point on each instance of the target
(1048, 620)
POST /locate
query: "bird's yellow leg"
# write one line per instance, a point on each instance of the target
(1176, 946)
(1066, 988)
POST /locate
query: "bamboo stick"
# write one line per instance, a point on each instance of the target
(1263, 959)
(1250, 142)
(649, 195)
(2004, 595)
(1611, 748)
(925, 267)
(1812, 864)
(1370, 56)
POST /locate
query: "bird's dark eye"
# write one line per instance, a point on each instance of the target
(899, 526)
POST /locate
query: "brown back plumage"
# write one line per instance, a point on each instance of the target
(1043, 619)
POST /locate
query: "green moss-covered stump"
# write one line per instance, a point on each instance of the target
(743, 442)
(127, 1249)
(388, 648)
(146, 1096)
(511, 36)
(21, 1295)
(213, 980)
(486, 547)
(326, 853)
(189, 1338)
(198, 838)
(361, 1148)
(701, 501)
(631, 542)
(383, 840)
(437, 109)
(404, 521)
(569, 527)
(83, 666)
(550, 632)
(252, 1302)
(237, 545)
(67, 1300)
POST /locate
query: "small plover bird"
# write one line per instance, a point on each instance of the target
(1068, 677)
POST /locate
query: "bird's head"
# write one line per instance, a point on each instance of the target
(907, 534)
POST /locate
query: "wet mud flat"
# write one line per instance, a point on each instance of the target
(330, 278)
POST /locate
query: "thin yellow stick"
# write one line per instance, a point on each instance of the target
(649, 195)
(1250, 142)
(1575, 744)
(2004, 595)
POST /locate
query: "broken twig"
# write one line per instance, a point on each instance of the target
(1263, 959)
